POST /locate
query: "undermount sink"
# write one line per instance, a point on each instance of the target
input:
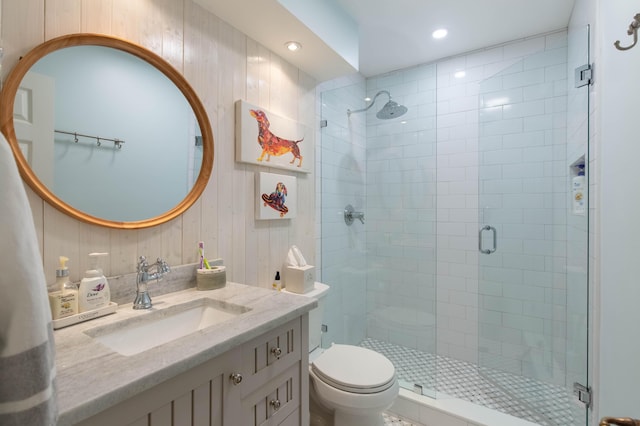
(154, 328)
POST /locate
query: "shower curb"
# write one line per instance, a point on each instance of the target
(449, 411)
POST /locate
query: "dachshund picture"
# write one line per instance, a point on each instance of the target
(272, 144)
(275, 196)
(264, 138)
(276, 199)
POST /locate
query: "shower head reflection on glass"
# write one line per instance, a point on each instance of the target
(390, 110)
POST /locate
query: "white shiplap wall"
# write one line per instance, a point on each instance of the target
(223, 65)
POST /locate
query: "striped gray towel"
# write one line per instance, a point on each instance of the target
(27, 351)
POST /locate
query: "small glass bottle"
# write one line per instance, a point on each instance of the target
(277, 284)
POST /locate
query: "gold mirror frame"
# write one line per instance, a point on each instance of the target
(9, 92)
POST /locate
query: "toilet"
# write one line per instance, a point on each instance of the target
(348, 385)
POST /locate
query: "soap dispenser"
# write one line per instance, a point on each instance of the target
(63, 300)
(94, 288)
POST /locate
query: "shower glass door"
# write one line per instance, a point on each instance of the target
(533, 233)
(382, 271)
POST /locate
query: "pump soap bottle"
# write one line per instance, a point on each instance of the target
(94, 289)
(64, 299)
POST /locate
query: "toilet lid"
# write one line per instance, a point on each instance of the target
(354, 369)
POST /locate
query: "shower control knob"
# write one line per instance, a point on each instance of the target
(236, 378)
(275, 403)
(276, 352)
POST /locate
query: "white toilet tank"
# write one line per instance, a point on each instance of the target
(316, 315)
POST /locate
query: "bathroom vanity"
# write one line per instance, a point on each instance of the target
(245, 363)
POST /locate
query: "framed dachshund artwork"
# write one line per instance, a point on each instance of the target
(270, 140)
(275, 196)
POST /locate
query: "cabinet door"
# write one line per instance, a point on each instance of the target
(202, 396)
(270, 354)
(292, 420)
(272, 403)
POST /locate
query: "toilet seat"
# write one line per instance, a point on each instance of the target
(354, 369)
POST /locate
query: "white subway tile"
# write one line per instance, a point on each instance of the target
(525, 78)
(501, 97)
(546, 58)
(487, 56)
(524, 109)
(503, 127)
(523, 48)
(452, 119)
(523, 170)
(452, 201)
(539, 91)
(491, 114)
(504, 305)
(501, 275)
(556, 40)
(501, 186)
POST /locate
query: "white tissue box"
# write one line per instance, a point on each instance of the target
(299, 279)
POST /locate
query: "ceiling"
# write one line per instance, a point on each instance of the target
(392, 34)
(397, 34)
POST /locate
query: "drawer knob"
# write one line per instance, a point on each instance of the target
(276, 352)
(275, 403)
(236, 378)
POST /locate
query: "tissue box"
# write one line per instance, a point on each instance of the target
(299, 279)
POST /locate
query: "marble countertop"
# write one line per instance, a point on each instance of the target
(92, 378)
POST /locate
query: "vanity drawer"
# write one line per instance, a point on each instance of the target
(270, 354)
(274, 403)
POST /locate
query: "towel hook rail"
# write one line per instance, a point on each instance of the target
(116, 142)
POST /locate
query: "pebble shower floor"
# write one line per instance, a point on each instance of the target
(545, 404)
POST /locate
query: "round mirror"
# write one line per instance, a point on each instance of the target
(107, 131)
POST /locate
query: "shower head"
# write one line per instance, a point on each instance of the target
(390, 110)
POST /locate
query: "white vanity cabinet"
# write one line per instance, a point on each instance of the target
(264, 381)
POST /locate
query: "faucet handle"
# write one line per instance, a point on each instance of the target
(164, 266)
(143, 265)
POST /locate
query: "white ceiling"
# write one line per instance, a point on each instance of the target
(394, 34)
(397, 34)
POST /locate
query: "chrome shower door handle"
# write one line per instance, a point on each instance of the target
(495, 239)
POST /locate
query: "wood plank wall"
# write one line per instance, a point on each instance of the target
(223, 65)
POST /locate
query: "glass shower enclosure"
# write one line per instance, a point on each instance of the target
(470, 271)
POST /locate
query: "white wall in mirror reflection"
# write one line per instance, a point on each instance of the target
(104, 92)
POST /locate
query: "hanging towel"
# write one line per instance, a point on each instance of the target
(27, 352)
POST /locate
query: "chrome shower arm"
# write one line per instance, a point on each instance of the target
(373, 101)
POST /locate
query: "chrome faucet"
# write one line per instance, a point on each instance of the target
(143, 300)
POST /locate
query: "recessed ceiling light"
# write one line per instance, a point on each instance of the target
(440, 33)
(459, 74)
(367, 99)
(293, 45)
